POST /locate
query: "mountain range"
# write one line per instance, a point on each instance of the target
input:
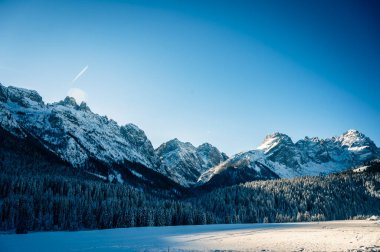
(73, 135)
(279, 157)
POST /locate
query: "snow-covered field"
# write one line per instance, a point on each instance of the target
(322, 236)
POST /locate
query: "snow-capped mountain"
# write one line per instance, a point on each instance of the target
(279, 147)
(309, 156)
(72, 131)
(184, 163)
(313, 156)
(81, 139)
(243, 167)
(78, 136)
(210, 156)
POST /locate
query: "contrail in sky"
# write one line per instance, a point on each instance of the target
(80, 74)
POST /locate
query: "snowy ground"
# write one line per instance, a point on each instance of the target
(322, 236)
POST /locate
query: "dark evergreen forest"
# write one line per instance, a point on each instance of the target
(52, 202)
(39, 192)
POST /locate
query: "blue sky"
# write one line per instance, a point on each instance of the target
(224, 72)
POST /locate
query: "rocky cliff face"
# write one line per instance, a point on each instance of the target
(242, 167)
(97, 145)
(286, 159)
(210, 156)
(77, 135)
(73, 131)
(312, 156)
(280, 148)
(184, 163)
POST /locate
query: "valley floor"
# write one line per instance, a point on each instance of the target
(358, 235)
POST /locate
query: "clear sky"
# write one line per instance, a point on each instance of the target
(224, 72)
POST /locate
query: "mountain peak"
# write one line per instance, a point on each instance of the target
(357, 142)
(174, 140)
(352, 131)
(137, 137)
(351, 137)
(176, 144)
(274, 139)
(69, 101)
(133, 126)
(21, 96)
(353, 134)
(184, 163)
(77, 138)
(72, 103)
(206, 145)
(312, 139)
(83, 106)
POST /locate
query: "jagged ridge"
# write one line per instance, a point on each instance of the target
(286, 159)
(86, 140)
(184, 163)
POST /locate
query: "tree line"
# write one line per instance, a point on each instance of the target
(53, 202)
(62, 203)
(332, 197)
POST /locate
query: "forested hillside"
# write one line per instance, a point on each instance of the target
(64, 203)
(46, 202)
(332, 197)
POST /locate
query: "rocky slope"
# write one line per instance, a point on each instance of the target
(98, 145)
(314, 156)
(242, 167)
(79, 137)
(184, 163)
(284, 158)
(72, 131)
